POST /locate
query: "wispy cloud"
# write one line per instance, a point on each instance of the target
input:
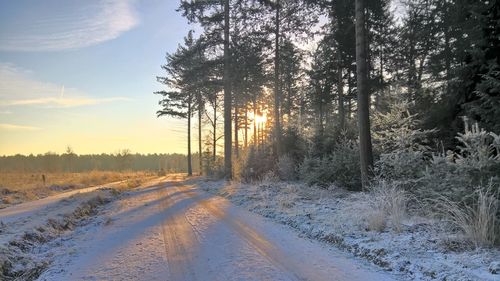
(5, 112)
(66, 24)
(62, 102)
(17, 88)
(12, 127)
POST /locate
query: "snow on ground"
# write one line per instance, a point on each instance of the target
(175, 231)
(424, 250)
(46, 206)
(34, 234)
(29, 241)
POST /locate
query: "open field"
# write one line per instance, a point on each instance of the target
(16, 187)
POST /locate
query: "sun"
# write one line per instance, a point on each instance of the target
(259, 119)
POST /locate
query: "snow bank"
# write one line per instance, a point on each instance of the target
(27, 243)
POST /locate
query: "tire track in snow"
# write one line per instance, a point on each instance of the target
(257, 241)
(179, 237)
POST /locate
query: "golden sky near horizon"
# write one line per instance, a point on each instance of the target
(83, 73)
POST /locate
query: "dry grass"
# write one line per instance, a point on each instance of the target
(20, 187)
(384, 205)
(287, 197)
(478, 221)
(376, 220)
(390, 201)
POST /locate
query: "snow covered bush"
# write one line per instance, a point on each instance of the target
(256, 164)
(213, 168)
(308, 168)
(401, 144)
(287, 168)
(406, 167)
(398, 130)
(238, 164)
(341, 167)
(478, 154)
(270, 177)
(456, 175)
(294, 143)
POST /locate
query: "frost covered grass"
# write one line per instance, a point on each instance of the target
(478, 220)
(384, 225)
(24, 257)
(389, 204)
(21, 187)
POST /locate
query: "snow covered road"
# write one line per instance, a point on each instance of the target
(174, 231)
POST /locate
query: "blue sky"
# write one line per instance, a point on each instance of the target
(82, 73)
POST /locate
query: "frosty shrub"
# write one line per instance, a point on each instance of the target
(286, 168)
(341, 167)
(213, 168)
(402, 146)
(256, 164)
(478, 220)
(456, 175)
(326, 140)
(406, 167)
(442, 179)
(308, 167)
(270, 177)
(238, 164)
(294, 143)
(478, 152)
(345, 164)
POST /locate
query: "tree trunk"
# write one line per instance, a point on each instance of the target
(340, 82)
(236, 128)
(227, 96)
(365, 145)
(258, 136)
(412, 71)
(289, 99)
(340, 86)
(349, 92)
(200, 112)
(277, 87)
(214, 149)
(447, 57)
(255, 134)
(320, 120)
(246, 126)
(190, 166)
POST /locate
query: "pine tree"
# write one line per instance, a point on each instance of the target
(182, 82)
(365, 145)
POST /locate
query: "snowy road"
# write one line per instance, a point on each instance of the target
(174, 231)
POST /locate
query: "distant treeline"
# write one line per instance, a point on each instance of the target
(71, 162)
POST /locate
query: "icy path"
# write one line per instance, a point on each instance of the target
(173, 231)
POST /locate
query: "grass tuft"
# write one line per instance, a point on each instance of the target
(478, 221)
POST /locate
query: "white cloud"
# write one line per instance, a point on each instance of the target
(62, 102)
(17, 88)
(67, 25)
(12, 127)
